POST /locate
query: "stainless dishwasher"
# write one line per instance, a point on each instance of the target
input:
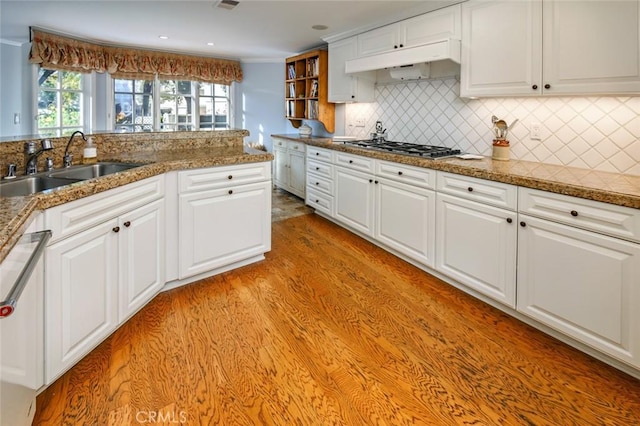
(22, 328)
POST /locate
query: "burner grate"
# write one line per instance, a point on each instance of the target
(404, 148)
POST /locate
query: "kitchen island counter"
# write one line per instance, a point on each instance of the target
(613, 188)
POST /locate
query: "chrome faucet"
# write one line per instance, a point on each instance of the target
(68, 158)
(31, 154)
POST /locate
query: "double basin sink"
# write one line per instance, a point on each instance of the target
(27, 185)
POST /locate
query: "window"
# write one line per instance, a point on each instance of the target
(133, 101)
(178, 105)
(63, 102)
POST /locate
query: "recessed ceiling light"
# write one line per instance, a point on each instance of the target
(319, 27)
(211, 43)
(163, 37)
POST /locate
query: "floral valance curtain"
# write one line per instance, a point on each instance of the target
(53, 51)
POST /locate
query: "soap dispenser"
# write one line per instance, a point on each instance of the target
(90, 154)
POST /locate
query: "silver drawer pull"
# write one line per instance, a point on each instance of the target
(8, 306)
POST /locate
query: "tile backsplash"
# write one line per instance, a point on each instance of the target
(601, 133)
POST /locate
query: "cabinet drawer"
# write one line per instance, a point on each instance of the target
(480, 190)
(320, 168)
(416, 176)
(355, 162)
(320, 184)
(319, 201)
(296, 146)
(320, 154)
(70, 218)
(279, 143)
(617, 221)
(223, 176)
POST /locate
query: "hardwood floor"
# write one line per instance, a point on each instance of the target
(331, 330)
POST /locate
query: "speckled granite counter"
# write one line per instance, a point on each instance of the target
(15, 212)
(623, 190)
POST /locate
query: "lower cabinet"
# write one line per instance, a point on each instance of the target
(405, 219)
(394, 213)
(354, 199)
(289, 166)
(476, 245)
(224, 216)
(96, 279)
(223, 226)
(581, 283)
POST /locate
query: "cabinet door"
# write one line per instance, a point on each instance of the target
(354, 199)
(501, 48)
(405, 220)
(591, 46)
(433, 26)
(223, 226)
(80, 295)
(476, 245)
(380, 40)
(346, 87)
(297, 173)
(582, 284)
(142, 249)
(281, 167)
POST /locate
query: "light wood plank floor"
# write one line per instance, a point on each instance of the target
(331, 330)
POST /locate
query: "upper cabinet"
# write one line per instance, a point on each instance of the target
(550, 47)
(422, 29)
(345, 87)
(306, 90)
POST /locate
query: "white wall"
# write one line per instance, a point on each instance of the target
(600, 133)
(15, 84)
(259, 102)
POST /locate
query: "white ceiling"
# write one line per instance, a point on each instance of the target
(255, 30)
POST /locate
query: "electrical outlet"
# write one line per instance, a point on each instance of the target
(16, 118)
(535, 131)
(359, 122)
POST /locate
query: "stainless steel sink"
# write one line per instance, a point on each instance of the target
(27, 185)
(90, 171)
(32, 184)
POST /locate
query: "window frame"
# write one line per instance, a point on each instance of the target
(88, 108)
(195, 99)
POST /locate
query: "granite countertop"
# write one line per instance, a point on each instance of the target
(16, 212)
(613, 188)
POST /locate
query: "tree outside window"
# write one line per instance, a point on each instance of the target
(60, 102)
(133, 101)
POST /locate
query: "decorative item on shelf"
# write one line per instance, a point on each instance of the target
(501, 149)
(304, 131)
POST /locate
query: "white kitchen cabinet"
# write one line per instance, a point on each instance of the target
(476, 245)
(224, 216)
(405, 219)
(476, 235)
(578, 269)
(320, 180)
(355, 199)
(549, 47)
(582, 284)
(422, 29)
(142, 254)
(99, 274)
(81, 295)
(345, 87)
(389, 202)
(289, 164)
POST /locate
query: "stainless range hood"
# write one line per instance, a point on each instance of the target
(448, 49)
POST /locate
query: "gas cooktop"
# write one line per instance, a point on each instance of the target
(405, 148)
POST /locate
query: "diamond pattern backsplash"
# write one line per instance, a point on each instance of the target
(600, 133)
